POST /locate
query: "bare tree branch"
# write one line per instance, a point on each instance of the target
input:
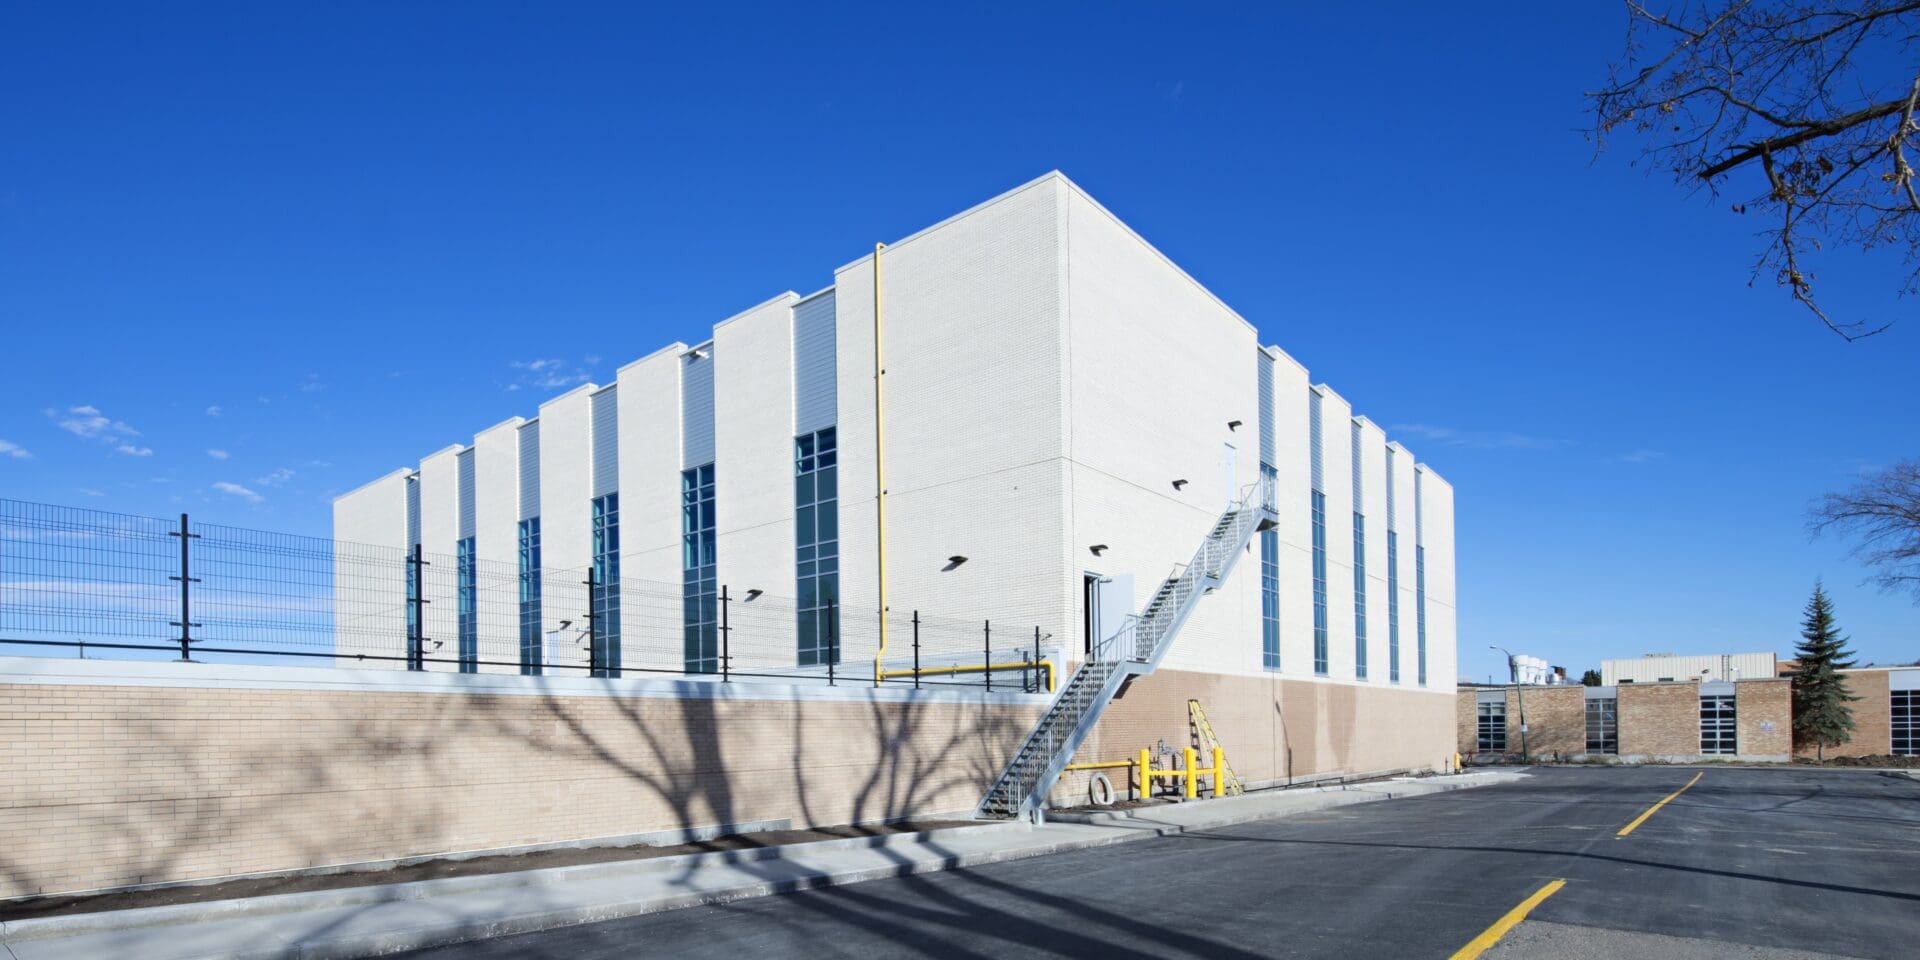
(1812, 95)
(1882, 514)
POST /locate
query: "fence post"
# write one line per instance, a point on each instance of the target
(833, 643)
(417, 656)
(726, 639)
(593, 629)
(1036, 658)
(186, 623)
(987, 632)
(916, 649)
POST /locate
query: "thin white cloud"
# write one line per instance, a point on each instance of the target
(87, 421)
(14, 451)
(132, 450)
(217, 453)
(546, 374)
(1640, 456)
(312, 383)
(236, 490)
(1480, 439)
(213, 411)
(89, 491)
(275, 478)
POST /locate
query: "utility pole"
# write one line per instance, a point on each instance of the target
(1519, 696)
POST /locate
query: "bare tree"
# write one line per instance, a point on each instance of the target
(1805, 106)
(1883, 512)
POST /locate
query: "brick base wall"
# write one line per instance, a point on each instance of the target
(1272, 729)
(109, 785)
(1872, 717)
(1655, 720)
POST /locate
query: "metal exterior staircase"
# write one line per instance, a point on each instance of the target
(1136, 649)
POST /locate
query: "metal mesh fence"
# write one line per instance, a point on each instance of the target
(78, 582)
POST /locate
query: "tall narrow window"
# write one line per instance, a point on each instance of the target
(699, 583)
(1492, 727)
(605, 601)
(1319, 583)
(1419, 582)
(1603, 725)
(1269, 586)
(1315, 449)
(1420, 610)
(1719, 733)
(531, 648)
(816, 496)
(1359, 596)
(1905, 716)
(467, 609)
(1393, 606)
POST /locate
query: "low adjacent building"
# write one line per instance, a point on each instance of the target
(1748, 720)
(1886, 717)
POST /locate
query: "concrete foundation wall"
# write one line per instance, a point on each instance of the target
(125, 773)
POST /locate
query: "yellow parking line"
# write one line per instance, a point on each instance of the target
(1656, 807)
(1492, 935)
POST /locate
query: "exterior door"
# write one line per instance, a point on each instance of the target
(1230, 473)
(1109, 602)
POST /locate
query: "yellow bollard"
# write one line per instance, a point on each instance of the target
(1146, 775)
(1193, 775)
(1219, 766)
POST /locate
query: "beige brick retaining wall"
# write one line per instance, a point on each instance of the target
(110, 784)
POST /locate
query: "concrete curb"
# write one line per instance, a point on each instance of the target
(41, 928)
(1228, 811)
(156, 931)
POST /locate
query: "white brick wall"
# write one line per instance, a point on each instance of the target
(496, 542)
(371, 523)
(1049, 375)
(753, 462)
(650, 466)
(1373, 467)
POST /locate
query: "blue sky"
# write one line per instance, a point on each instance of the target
(252, 255)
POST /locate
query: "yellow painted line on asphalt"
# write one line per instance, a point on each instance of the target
(1656, 807)
(1490, 936)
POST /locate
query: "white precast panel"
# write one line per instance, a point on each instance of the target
(753, 414)
(566, 515)
(1336, 438)
(1293, 507)
(650, 472)
(1372, 460)
(496, 543)
(1164, 379)
(439, 536)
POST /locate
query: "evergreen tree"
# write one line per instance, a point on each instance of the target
(1590, 679)
(1821, 717)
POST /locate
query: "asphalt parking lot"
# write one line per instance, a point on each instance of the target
(1751, 863)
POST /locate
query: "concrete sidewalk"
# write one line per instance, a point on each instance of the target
(365, 921)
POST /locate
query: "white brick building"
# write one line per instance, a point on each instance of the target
(1063, 407)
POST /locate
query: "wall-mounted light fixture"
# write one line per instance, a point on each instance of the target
(1098, 549)
(953, 562)
(753, 592)
(1233, 424)
(1177, 484)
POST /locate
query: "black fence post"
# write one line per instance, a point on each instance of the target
(1036, 659)
(987, 632)
(916, 649)
(417, 652)
(726, 638)
(593, 629)
(833, 643)
(186, 623)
